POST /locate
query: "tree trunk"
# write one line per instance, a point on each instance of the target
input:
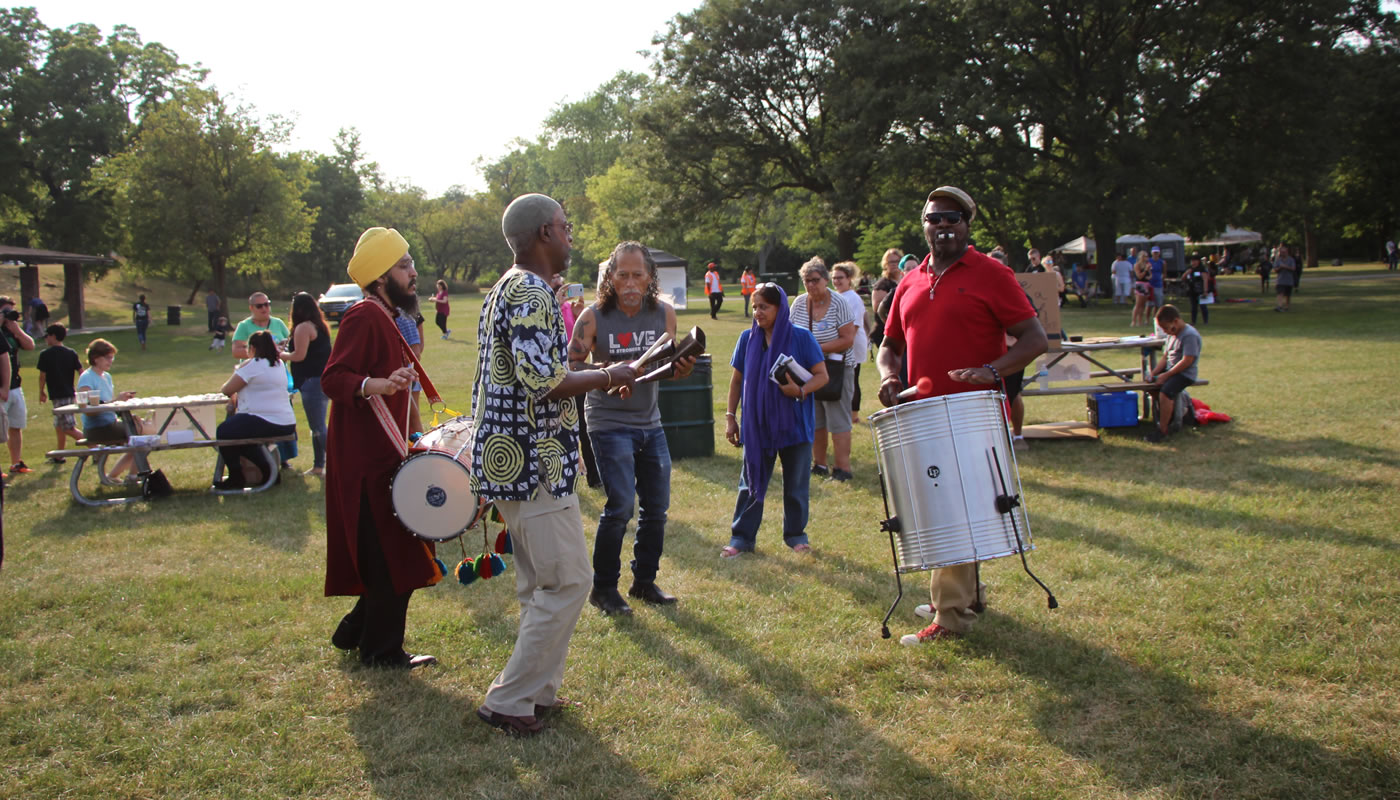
(194, 292)
(845, 241)
(1105, 228)
(1309, 239)
(217, 273)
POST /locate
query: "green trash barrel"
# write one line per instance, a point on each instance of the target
(688, 412)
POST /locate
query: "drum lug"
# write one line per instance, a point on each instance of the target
(1006, 502)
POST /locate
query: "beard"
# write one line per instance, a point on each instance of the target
(948, 246)
(402, 297)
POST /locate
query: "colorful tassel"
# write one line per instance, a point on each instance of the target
(503, 542)
(466, 571)
(498, 564)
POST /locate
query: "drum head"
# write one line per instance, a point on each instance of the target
(432, 497)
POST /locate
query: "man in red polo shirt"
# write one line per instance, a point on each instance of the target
(948, 323)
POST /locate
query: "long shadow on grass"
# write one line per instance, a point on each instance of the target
(1262, 469)
(1150, 729)
(1045, 527)
(1225, 520)
(865, 584)
(776, 702)
(419, 741)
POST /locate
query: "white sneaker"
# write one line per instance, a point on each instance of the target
(924, 610)
(1019, 444)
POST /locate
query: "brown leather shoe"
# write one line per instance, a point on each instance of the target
(514, 726)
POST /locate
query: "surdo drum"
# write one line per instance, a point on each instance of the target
(431, 490)
(947, 468)
(945, 462)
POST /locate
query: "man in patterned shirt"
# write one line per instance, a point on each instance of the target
(525, 457)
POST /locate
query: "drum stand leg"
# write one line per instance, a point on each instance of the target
(1005, 503)
(890, 525)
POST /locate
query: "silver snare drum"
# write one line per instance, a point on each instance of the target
(431, 491)
(944, 461)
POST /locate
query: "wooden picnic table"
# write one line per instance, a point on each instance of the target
(167, 410)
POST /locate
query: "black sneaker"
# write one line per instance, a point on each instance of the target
(820, 470)
(841, 475)
(1156, 436)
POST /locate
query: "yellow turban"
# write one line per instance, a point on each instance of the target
(377, 251)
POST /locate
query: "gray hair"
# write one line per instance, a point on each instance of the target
(607, 293)
(523, 217)
(816, 266)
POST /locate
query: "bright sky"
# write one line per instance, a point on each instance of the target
(431, 86)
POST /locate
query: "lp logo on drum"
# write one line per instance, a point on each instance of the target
(934, 472)
(436, 497)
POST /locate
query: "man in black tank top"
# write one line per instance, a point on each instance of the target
(625, 428)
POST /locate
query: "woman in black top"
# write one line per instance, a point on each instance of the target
(310, 347)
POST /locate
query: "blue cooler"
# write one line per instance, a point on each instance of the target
(1113, 409)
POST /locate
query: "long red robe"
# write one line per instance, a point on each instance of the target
(360, 458)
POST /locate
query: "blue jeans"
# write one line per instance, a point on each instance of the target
(313, 402)
(797, 476)
(633, 463)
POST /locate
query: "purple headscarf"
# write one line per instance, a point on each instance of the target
(766, 410)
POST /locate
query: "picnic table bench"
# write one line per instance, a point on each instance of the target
(174, 408)
(1091, 351)
(99, 454)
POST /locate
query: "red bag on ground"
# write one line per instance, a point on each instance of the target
(1205, 415)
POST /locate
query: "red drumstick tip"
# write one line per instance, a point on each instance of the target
(925, 385)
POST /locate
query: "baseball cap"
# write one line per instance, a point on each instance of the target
(958, 196)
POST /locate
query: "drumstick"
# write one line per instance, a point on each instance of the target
(922, 387)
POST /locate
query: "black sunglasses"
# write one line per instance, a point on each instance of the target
(262, 305)
(950, 217)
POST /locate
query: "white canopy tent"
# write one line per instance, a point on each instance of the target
(1083, 244)
(1231, 235)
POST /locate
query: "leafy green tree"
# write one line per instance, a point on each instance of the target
(202, 192)
(336, 192)
(1111, 112)
(69, 99)
(763, 95)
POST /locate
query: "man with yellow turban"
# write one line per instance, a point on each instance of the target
(369, 554)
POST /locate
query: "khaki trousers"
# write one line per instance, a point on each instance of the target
(952, 590)
(552, 578)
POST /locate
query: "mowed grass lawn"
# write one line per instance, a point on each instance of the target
(1228, 621)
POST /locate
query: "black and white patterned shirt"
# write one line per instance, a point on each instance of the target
(522, 441)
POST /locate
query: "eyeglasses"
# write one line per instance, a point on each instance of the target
(950, 217)
(813, 279)
(262, 305)
(568, 228)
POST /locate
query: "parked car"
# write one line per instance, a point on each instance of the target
(338, 299)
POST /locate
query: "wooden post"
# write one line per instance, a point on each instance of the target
(28, 290)
(73, 294)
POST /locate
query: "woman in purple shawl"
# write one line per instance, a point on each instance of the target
(778, 419)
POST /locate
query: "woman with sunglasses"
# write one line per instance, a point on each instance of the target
(833, 322)
(778, 418)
